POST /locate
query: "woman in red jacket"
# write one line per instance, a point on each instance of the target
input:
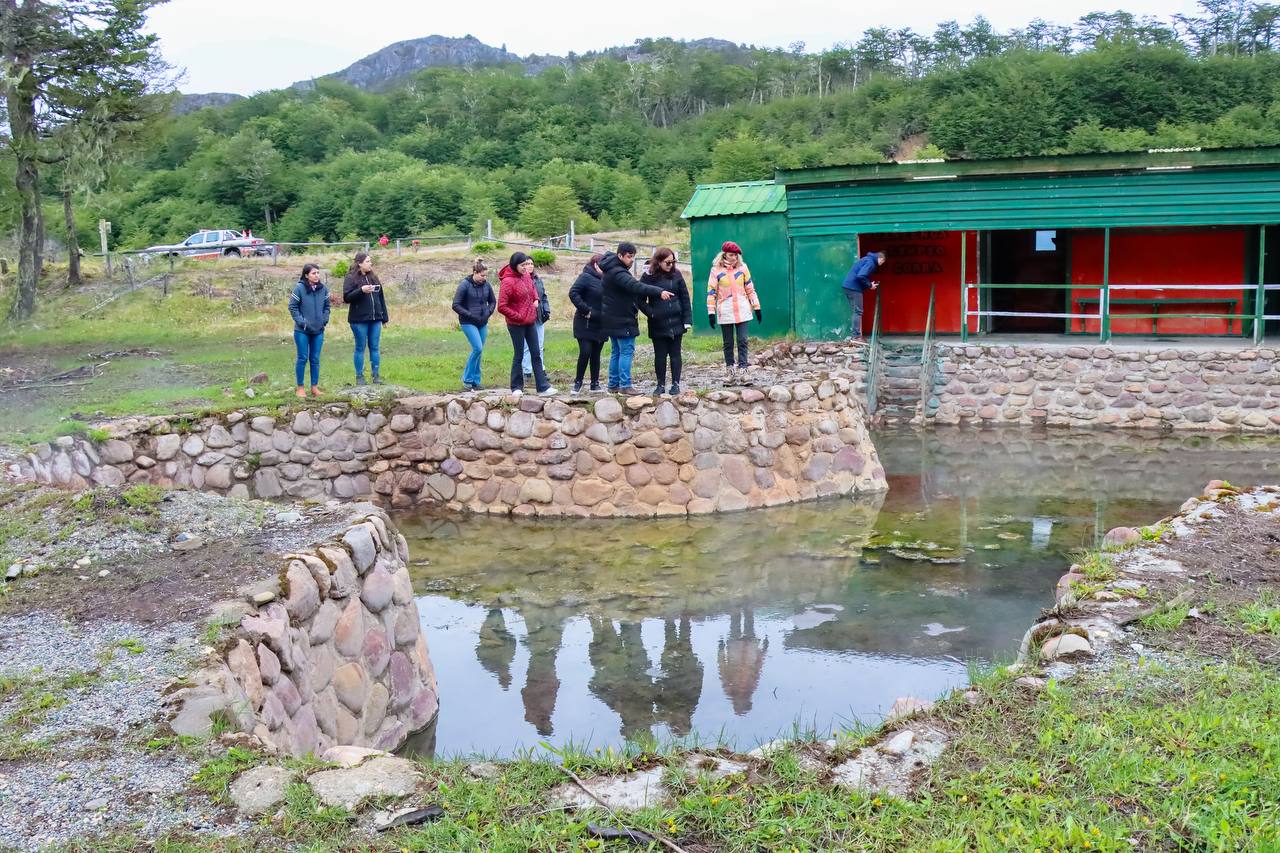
(518, 303)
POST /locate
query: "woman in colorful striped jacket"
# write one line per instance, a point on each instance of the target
(731, 300)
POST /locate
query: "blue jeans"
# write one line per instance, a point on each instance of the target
(621, 352)
(527, 364)
(367, 335)
(476, 336)
(308, 352)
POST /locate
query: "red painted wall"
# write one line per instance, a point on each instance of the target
(1161, 257)
(915, 261)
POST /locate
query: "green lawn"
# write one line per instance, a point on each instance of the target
(1146, 757)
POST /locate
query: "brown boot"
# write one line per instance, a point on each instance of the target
(300, 392)
(316, 392)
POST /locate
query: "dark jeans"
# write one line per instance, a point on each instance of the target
(589, 354)
(855, 312)
(729, 331)
(668, 348)
(523, 337)
(308, 353)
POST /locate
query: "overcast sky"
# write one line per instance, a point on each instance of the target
(246, 47)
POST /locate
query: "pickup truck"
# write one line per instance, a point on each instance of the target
(215, 244)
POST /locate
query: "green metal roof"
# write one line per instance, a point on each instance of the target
(1155, 160)
(734, 199)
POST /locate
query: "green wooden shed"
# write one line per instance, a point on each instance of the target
(1158, 242)
(752, 214)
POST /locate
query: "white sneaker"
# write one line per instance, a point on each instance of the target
(550, 392)
(516, 392)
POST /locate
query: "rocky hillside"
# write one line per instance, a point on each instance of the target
(392, 63)
(191, 103)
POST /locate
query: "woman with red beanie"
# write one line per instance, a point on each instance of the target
(518, 303)
(731, 300)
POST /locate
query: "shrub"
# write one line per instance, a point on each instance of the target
(341, 267)
(543, 258)
(483, 247)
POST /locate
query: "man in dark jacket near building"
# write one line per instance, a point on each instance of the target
(858, 282)
(620, 292)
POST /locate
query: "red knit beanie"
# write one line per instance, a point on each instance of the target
(731, 248)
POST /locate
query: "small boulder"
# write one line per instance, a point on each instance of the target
(1121, 537)
(905, 706)
(1065, 646)
(383, 776)
(259, 789)
(349, 756)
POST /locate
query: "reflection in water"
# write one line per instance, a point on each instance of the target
(497, 648)
(740, 657)
(680, 684)
(621, 678)
(824, 612)
(541, 684)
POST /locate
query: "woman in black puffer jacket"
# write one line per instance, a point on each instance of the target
(668, 320)
(587, 296)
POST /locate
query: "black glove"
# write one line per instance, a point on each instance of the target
(759, 316)
(711, 318)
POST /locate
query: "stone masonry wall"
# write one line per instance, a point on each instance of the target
(330, 653)
(566, 456)
(1189, 388)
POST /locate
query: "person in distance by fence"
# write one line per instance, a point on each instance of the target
(518, 303)
(620, 290)
(668, 320)
(474, 303)
(309, 307)
(587, 294)
(367, 314)
(731, 300)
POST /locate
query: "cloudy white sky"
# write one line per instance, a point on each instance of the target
(246, 46)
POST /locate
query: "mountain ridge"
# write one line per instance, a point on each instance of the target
(389, 65)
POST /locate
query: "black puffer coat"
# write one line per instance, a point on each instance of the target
(621, 291)
(587, 296)
(364, 307)
(667, 319)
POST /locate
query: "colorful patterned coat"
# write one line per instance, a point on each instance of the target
(731, 295)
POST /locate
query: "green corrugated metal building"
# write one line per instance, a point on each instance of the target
(1061, 225)
(753, 214)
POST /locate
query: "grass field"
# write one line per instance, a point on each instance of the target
(221, 323)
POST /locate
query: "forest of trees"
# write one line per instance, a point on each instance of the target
(619, 141)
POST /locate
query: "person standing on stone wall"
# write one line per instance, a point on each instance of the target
(856, 284)
(518, 303)
(588, 322)
(309, 307)
(474, 303)
(620, 292)
(669, 320)
(367, 314)
(544, 315)
(731, 300)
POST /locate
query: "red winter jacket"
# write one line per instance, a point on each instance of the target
(517, 298)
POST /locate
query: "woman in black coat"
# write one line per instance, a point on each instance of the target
(367, 314)
(587, 296)
(668, 320)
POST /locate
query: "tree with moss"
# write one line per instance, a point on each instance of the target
(62, 63)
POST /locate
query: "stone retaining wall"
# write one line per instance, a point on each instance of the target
(567, 456)
(1108, 386)
(330, 653)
